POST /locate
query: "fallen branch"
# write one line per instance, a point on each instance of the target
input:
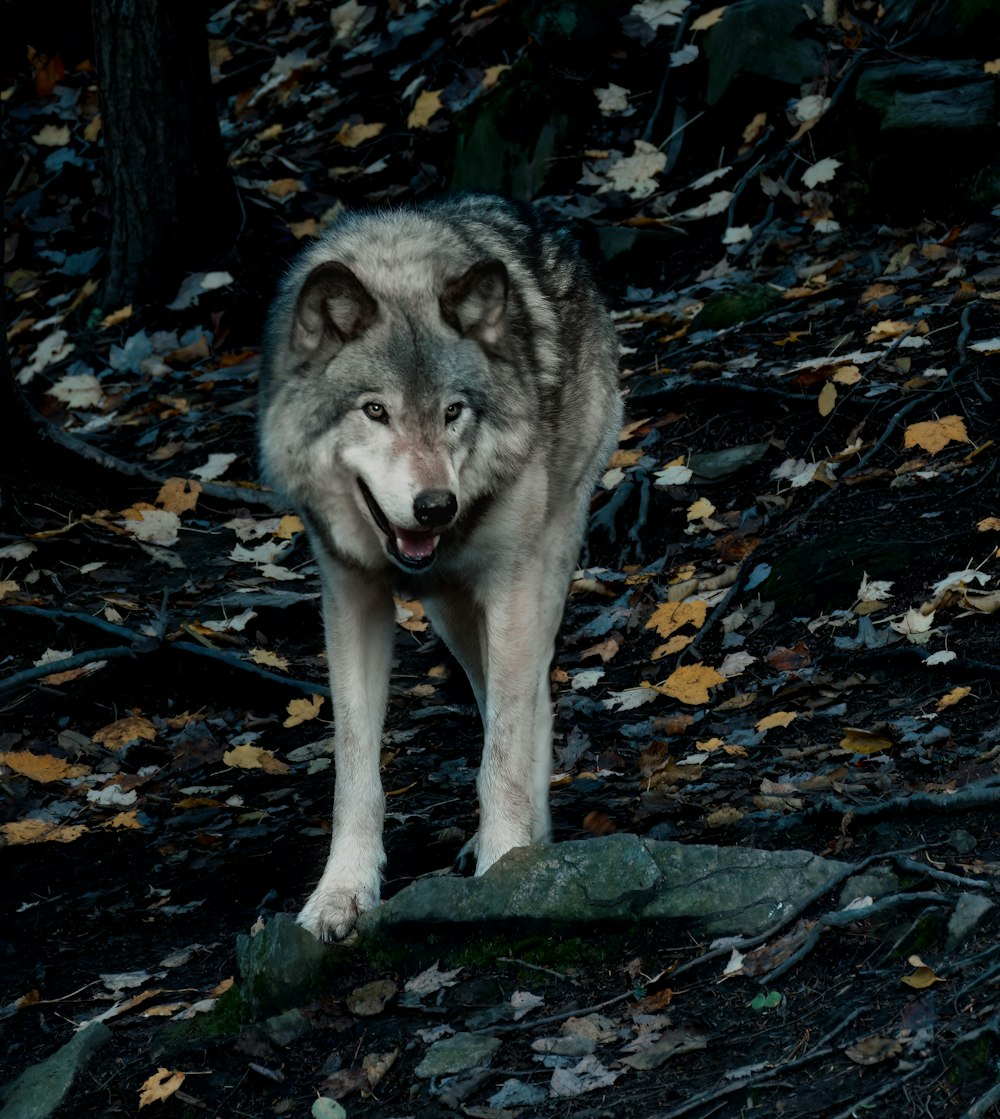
(307, 687)
(979, 794)
(31, 675)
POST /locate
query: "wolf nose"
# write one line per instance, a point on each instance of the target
(435, 508)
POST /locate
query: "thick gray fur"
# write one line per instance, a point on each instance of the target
(439, 397)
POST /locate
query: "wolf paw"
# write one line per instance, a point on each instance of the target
(331, 913)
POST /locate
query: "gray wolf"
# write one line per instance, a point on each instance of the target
(439, 395)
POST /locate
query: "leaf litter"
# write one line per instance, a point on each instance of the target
(748, 690)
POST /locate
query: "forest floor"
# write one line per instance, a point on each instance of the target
(783, 636)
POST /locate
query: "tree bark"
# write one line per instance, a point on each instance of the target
(172, 201)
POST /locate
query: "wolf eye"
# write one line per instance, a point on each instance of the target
(375, 411)
(453, 411)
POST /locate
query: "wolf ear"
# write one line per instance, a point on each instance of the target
(333, 307)
(475, 303)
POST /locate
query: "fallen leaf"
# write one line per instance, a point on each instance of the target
(376, 1065)
(709, 19)
(933, 435)
(123, 731)
(873, 1050)
(952, 697)
(371, 998)
(179, 495)
(266, 657)
(42, 768)
(827, 398)
(255, 757)
(33, 830)
(671, 616)
(864, 741)
(778, 719)
(690, 683)
(160, 1086)
(427, 104)
(351, 135)
(302, 710)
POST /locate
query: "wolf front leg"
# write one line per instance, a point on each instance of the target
(522, 619)
(359, 616)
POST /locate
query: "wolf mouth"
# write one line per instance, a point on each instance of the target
(413, 550)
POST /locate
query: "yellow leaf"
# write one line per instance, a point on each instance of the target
(40, 831)
(491, 75)
(889, 328)
(709, 19)
(160, 1086)
(701, 508)
(426, 106)
(351, 135)
(922, 977)
(116, 317)
(179, 495)
(778, 719)
(119, 733)
(266, 657)
(124, 820)
(864, 741)
(674, 645)
(932, 435)
(723, 817)
(42, 768)
(671, 616)
(288, 526)
(952, 697)
(256, 757)
(756, 126)
(847, 375)
(827, 398)
(690, 683)
(282, 187)
(989, 524)
(992, 67)
(302, 710)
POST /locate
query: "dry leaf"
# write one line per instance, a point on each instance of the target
(827, 398)
(700, 509)
(42, 768)
(371, 998)
(778, 719)
(426, 106)
(932, 435)
(40, 831)
(302, 710)
(873, 1050)
(376, 1065)
(123, 731)
(160, 1086)
(266, 657)
(864, 741)
(690, 683)
(288, 526)
(671, 616)
(255, 757)
(952, 697)
(351, 135)
(179, 495)
(709, 19)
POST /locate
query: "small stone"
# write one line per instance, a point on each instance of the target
(457, 1054)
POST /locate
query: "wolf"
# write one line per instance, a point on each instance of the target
(438, 397)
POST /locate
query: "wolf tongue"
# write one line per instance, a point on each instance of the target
(414, 545)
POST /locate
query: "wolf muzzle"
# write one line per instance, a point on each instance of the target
(412, 549)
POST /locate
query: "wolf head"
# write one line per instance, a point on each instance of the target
(390, 402)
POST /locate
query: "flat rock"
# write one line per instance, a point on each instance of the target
(720, 891)
(457, 1054)
(39, 1090)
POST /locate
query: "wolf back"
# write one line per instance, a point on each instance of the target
(438, 397)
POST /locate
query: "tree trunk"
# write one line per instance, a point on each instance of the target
(173, 203)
